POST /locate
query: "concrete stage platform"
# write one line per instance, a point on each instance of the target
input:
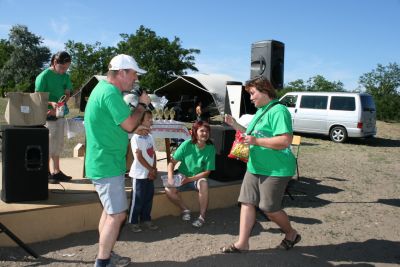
(74, 207)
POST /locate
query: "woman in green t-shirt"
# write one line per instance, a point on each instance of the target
(57, 83)
(270, 167)
(197, 157)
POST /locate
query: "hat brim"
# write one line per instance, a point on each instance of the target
(140, 71)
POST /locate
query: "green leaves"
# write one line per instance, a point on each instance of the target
(317, 83)
(384, 80)
(88, 60)
(384, 83)
(22, 58)
(163, 59)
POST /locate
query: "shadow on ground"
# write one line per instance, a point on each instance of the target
(370, 141)
(305, 192)
(371, 252)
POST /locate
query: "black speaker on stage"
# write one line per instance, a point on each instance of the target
(226, 169)
(267, 60)
(25, 157)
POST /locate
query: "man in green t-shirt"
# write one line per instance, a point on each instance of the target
(108, 120)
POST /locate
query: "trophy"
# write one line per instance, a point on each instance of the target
(159, 113)
(154, 113)
(166, 113)
(172, 113)
(159, 104)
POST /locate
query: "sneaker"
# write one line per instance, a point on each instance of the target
(135, 228)
(60, 176)
(186, 215)
(150, 225)
(97, 263)
(51, 179)
(199, 222)
(117, 260)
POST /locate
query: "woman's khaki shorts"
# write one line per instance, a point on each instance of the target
(265, 192)
(56, 136)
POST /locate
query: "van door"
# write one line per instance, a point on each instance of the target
(368, 114)
(310, 115)
(290, 102)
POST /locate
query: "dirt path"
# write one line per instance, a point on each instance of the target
(346, 206)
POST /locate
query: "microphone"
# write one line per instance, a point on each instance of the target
(137, 91)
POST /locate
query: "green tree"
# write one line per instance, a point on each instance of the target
(25, 62)
(163, 59)
(5, 51)
(297, 85)
(316, 84)
(384, 80)
(87, 60)
(294, 86)
(320, 84)
(383, 83)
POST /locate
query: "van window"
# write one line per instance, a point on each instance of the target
(367, 103)
(343, 103)
(314, 101)
(289, 101)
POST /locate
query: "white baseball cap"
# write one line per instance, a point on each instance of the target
(124, 62)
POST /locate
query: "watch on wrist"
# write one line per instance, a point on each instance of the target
(143, 105)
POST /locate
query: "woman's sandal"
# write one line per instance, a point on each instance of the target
(231, 249)
(288, 244)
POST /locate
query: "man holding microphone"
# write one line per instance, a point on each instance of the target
(108, 120)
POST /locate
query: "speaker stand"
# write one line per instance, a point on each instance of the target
(4, 229)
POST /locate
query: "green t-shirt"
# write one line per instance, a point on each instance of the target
(193, 159)
(267, 161)
(106, 140)
(53, 83)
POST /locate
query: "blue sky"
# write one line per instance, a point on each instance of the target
(340, 39)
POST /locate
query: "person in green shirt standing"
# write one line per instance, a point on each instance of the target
(108, 119)
(57, 83)
(270, 167)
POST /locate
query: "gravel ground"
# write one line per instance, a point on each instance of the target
(346, 206)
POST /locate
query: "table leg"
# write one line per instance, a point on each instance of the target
(168, 149)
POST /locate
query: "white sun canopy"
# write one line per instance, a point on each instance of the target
(210, 89)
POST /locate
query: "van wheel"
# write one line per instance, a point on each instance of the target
(338, 134)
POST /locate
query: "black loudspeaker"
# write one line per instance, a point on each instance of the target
(226, 169)
(87, 89)
(267, 60)
(25, 155)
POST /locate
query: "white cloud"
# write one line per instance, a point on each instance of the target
(60, 28)
(54, 45)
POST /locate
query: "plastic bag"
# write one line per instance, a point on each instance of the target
(61, 109)
(177, 180)
(239, 149)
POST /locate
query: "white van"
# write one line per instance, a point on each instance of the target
(337, 114)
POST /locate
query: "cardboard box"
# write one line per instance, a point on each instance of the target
(26, 109)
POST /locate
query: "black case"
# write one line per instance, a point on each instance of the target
(226, 169)
(25, 157)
